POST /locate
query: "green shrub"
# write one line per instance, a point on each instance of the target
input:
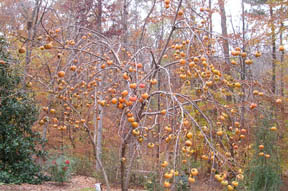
(264, 174)
(152, 183)
(18, 141)
(182, 183)
(60, 169)
(82, 166)
(137, 179)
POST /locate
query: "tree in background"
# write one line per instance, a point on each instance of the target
(18, 141)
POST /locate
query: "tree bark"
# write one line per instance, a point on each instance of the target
(101, 110)
(124, 23)
(100, 164)
(225, 43)
(124, 183)
(31, 33)
(210, 25)
(129, 167)
(123, 165)
(243, 68)
(273, 43)
(159, 76)
(281, 62)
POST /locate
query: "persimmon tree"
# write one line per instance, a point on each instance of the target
(161, 85)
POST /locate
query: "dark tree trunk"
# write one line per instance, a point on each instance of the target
(225, 43)
(243, 68)
(281, 62)
(273, 43)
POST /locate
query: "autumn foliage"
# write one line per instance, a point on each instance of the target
(149, 88)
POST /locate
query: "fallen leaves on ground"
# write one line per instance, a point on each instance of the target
(77, 183)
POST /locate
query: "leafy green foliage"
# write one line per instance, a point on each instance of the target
(18, 142)
(82, 166)
(152, 183)
(60, 169)
(182, 183)
(264, 173)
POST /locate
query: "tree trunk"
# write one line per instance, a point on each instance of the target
(210, 25)
(31, 30)
(100, 121)
(124, 183)
(281, 62)
(273, 43)
(99, 134)
(99, 16)
(123, 165)
(243, 68)
(225, 43)
(126, 164)
(129, 168)
(159, 76)
(100, 165)
(124, 23)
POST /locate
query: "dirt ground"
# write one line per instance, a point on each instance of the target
(82, 183)
(77, 183)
